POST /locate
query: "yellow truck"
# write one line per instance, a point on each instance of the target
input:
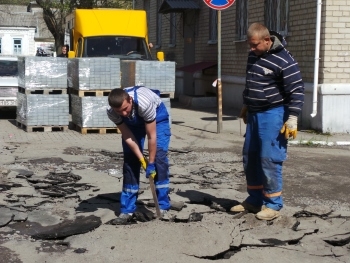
(110, 33)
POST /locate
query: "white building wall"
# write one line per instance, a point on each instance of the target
(8, 35)
(333, 108)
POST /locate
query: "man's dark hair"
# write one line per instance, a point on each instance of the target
(117, 97)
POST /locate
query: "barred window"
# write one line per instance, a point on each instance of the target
(213, 26)
(241, 19)
(172, 42)
(276, 15)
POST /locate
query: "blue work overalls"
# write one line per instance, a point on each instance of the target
(131, 166)
(264, 151)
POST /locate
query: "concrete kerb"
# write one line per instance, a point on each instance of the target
(322, 143)
(310, 138)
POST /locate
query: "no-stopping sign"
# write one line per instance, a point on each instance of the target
(219, 4)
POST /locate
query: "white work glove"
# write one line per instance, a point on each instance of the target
(243, 114)
(290, 127)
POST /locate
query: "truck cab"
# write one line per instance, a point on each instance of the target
(8, 81)
(109, 33)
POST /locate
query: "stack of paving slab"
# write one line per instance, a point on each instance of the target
(158, 75)
(100, 73)
(90, 81)
(42, 98)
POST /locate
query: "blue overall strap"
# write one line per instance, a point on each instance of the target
(135, 94)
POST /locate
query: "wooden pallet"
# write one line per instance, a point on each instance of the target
(90, 93)
(99, 130)
(167, 95)
(42, 128)
(51, 91)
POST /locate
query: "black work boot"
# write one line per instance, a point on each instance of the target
(122, 219)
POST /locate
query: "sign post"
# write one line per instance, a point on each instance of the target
(219, 5)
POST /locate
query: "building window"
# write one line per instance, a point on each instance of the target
(241, 19)
(213, 26)
(172, 30)
(17, 46)
(276, 15)
(159, 26)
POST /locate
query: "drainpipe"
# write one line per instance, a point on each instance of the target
(317, 58)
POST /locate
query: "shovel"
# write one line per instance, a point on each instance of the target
(154, 194)
(153, 190)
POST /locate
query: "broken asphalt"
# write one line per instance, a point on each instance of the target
(60, 190)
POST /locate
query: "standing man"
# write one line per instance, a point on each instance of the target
(272, 98)
(139, 111)
(64, 50)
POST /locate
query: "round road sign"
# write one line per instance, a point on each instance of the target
(219, 4)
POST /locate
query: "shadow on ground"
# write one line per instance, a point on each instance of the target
(197, 197)
(107, 201)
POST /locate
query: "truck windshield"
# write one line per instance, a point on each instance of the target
(120, 47)
(8, 68)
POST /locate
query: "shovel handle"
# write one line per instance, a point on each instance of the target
(154, 194)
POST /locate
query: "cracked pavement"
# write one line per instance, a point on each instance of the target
(60, 190)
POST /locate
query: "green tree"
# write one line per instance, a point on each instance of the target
(55, 12)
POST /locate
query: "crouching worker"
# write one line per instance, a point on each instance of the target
(137, 112)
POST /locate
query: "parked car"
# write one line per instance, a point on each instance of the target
(8, 81)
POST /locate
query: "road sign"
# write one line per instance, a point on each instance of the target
(219, 4)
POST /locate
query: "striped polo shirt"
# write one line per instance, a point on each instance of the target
(273, 79)
(148, 103)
